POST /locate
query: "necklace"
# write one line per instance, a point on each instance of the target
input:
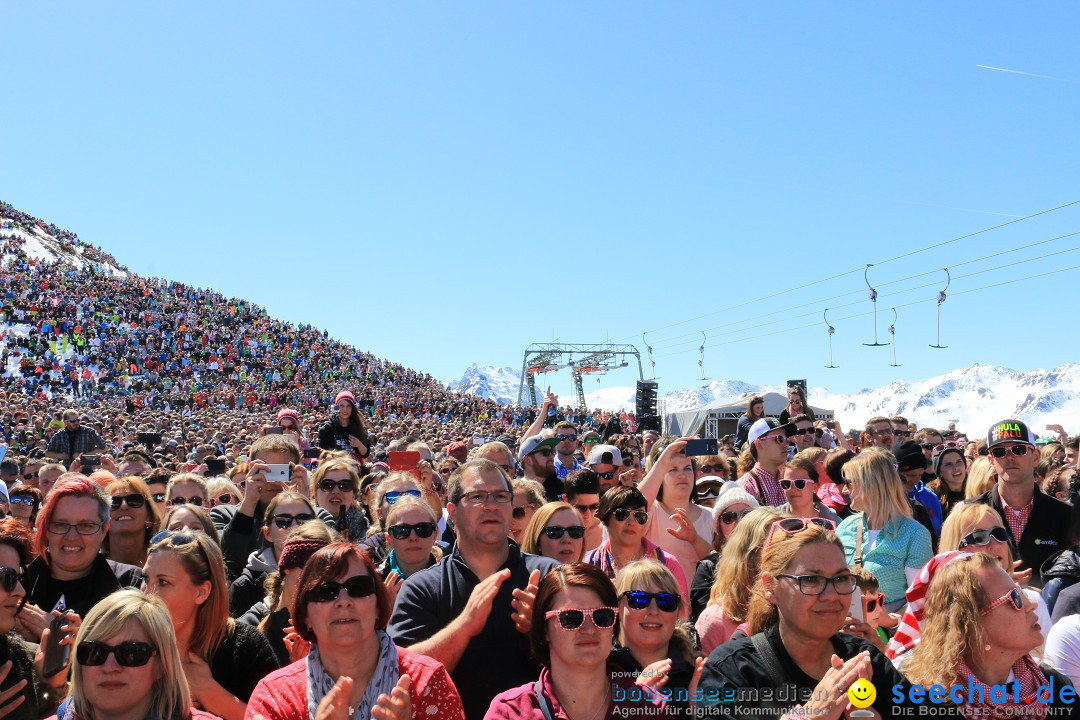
(603, 706)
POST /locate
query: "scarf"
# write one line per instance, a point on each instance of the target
(382, 681)
(908, 632)
(604, 560)
(1027, 678)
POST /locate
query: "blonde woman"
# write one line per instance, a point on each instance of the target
(882, 536)
(981, 477)
(974, 527)
(978, 631)
(556, 531)
(736, 574)
(128, 635)
(335, 487)
(412, 530)
(651, 644)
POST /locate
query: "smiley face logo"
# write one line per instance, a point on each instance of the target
(862, 693)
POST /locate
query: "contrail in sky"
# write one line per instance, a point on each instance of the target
(1021, 72)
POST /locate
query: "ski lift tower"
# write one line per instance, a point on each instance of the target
(594, 359)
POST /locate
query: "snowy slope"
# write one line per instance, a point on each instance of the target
(40, 245)
(973, 397)
(499, 384)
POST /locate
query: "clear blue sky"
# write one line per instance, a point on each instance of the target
(445, 183)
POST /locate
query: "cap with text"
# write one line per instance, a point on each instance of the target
(1009, 431)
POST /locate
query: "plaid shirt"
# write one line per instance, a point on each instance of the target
(774, 494)
(85, 440)
(1017, 519)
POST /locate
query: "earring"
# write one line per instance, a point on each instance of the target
(987, 648)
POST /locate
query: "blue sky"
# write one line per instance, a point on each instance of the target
(445, 183)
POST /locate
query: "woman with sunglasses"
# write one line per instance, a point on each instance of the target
(800, 486)
(289, 422)
(677, 524)
(284, 512)
(133, 520)
(223, 491)
(126, 664)
(335, 485)
(973, 527)
(978, 630)
(732, 505)
(345, 430)
(623, 512)
(651, 644)
(573, 627)
(396, 485)
(882, 535)
(25, 501)
(222, 659)
(797, 610)
(352, 669)
(411, 532)
(23, 695)
(556, 531)
(528, 497)
(728, 601)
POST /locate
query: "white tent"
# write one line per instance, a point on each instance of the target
(721, 418)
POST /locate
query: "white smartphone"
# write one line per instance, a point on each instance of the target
(856, 611)
(277, 473)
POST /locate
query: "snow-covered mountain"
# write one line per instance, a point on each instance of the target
(499, 384)
(973, 397)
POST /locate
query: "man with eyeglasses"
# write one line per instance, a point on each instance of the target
(473, 610)
(805, 434)
(583, 492)
(565, 460)
(537, 458)
(768, 441)
(879, 430)
(1039, 525)
(73, 440)
(900, 428)
(928, 439)
(606, 461)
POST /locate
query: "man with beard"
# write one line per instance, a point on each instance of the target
(537, 457)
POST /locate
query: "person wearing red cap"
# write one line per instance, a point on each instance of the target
(289, 422)
(458, 451)
(345, 430)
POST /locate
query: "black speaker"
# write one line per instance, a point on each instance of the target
(645, 406)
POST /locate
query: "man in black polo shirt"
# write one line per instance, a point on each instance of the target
(1039, 525)
(472, 611)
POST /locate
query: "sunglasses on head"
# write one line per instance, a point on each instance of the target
(573, 618)
(134, 501)
(181, 500)
(342, 485)
(91, 653)
(358, 586)
(556, 532)
(175, 537)
(639, 600)
(1018, 450)
(791, 526)
(730, 516)
(982, 537)
(393, 496)
(622, 514)
(9, 578)
(1014, 596)
(422, 530)
(799, 483)
(283, 521)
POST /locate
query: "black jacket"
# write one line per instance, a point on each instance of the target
(701, 587)
(679, 677)
(1059, 572)
(21, 655)
(332, 436)
(1048, 530)
(105, 578)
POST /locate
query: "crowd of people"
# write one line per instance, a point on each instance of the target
(358, 542)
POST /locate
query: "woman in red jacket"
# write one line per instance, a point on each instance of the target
(353, 667)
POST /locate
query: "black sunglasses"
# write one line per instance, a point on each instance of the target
(181, 500)
(572, 618)
(639, 600)
(284, 521)
(342, 485)
(422, 530)
(555, 532)
(9, 578)
(729, 516)
(519, 512)
(607, 475)
(358, 586)
(134, 501)
(128, 654)
(641, 516)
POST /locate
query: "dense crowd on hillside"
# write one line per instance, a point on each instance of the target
(210, 514)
